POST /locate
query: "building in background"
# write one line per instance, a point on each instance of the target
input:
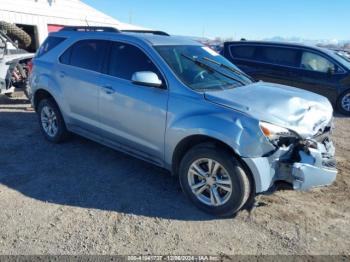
(40, 17)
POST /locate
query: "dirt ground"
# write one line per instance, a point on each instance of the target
(84, 198)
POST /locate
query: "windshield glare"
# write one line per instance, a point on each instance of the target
(182, 60)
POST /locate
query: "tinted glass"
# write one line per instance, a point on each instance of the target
(344, 55)
(315, 62)
(125, 60)
(243, 52)
(50, 43)
(280, 56)
(65, 58)
(87, 54)
(182, 60)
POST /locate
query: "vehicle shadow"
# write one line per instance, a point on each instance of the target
(339, 115)
(85, 174)
(4, 100)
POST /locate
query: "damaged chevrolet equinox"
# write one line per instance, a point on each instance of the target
(179, 105)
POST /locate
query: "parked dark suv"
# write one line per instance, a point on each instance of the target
(323, 71)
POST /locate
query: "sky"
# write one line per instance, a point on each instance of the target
(250, 19)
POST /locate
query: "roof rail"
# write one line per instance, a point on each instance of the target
(90, 29)
(146, 32)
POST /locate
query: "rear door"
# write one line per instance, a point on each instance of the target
(78, 75)
(268, 63)
(132, 116)
(278, 64)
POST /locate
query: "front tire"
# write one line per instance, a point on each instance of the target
(214, 180)
(51, 121)
(343, 103)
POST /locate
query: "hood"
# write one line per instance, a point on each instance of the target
(301, 111)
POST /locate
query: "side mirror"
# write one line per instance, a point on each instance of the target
(146, 78)
(332, 70)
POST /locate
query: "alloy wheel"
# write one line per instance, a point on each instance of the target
(345, 102)
(209, 182)
(49, 121)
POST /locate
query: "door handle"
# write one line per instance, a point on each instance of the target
(108, 89)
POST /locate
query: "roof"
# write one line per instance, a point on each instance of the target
(149, 38)
(289, 44)
(164, 40)
(325, 50)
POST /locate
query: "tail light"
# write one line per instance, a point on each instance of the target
(30, 67)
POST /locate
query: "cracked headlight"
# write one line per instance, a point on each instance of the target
(278, 135)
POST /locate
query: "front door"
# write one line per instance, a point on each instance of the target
(132, 116)
(319, 75)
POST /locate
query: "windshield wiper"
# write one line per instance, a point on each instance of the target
(232, 69)
(208, 67)
(199, 63)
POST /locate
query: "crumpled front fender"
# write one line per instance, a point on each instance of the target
(238, 131)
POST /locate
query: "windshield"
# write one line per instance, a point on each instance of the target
(344, 55)
(341, 57)
(201, 68)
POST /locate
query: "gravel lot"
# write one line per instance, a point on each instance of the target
(83, 198)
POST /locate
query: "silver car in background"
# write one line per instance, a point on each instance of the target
(181, 106)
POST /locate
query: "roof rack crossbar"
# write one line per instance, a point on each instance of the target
(146, 32)
(90, 29)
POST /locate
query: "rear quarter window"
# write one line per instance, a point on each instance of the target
(243, 52)
(50, 43)
(86, 54)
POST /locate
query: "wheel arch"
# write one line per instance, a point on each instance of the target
(189, 142)
(39, 95)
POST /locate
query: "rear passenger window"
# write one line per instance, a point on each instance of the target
(87, 54)
(50, 43)
(125, 60)
(280, 56)
(243, 52)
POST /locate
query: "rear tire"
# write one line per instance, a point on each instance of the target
(226, 186)
(51, 121)
(343, 103)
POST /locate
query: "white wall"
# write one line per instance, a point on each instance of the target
(61, 12)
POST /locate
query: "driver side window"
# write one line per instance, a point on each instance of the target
(126, 59)
(314, 62)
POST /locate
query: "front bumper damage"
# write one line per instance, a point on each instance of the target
(304, 165)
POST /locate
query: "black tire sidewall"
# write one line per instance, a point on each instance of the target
(233, 167)
(62, 131)
(16, 33)
(339, 103)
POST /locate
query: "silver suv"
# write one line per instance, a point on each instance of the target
(181, 106)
